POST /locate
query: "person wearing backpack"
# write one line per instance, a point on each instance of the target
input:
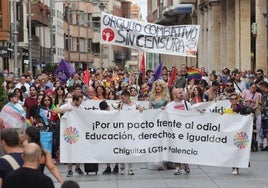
(13, 158)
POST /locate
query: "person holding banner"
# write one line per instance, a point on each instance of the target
(128, 104)
(179, 103)
(235, 107)
(75, 104)
(104, 106)
(159, 98)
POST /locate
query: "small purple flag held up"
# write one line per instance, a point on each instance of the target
(64, 71)
(157, 74)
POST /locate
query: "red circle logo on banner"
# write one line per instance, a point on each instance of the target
(108, 34)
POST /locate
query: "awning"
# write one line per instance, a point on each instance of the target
(177, 16)
(180, 9)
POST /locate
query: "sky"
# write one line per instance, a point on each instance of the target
(143, 6)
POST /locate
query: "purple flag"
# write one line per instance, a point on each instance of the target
(157, 75)
(64, 71)
(158, 72)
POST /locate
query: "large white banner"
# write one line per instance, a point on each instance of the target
(89, 136)
(179, 40)
(211, 106)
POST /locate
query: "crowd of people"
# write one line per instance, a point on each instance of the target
(41, 100)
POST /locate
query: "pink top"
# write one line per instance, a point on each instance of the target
(250, 98)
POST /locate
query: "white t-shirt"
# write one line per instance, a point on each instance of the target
(179, 105)
(67, 106)
(129, 107)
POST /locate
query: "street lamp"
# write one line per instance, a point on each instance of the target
(15, 32)
(122, 59)
(102, 5)
(51, 26)
(68, 30)
(30, 36)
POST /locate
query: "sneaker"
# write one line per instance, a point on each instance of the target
(107, 171)
(131, 172)
(186, 168)
(79, 171)
(178, 172)
(122, 171)
(69, 174)
(235, 171)
(265, 149)
(115, 170)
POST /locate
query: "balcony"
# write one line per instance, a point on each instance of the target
(40, 13)
(187, 1)
(178, 15)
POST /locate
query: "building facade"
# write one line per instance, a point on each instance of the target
(233, 33)
(34, 33)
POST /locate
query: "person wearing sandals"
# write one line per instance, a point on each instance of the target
(178, 103)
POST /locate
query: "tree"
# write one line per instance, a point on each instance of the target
(3, 93)
(49, 68)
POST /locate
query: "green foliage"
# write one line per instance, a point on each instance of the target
(3, 94)
(49, 68)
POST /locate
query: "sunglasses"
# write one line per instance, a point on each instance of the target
(229, 85)
(233, 99)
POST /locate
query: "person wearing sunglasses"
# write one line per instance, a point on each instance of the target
(228, 90)
(235, 107)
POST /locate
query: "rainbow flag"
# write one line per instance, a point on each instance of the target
(193, 74)
(28, 122)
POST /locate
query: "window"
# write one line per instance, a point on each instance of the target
(96, 49)
(67, 46)
(82, 45)
(96, 23)
(89, 45)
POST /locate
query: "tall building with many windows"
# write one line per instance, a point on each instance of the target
(233, 33)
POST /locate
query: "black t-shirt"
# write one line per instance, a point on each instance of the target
(6, 168)
(28, 178)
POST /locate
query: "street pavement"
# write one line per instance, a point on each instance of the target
(201, 177)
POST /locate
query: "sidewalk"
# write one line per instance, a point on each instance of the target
(201, 177)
